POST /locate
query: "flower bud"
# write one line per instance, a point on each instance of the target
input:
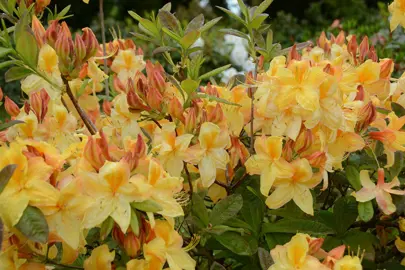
(372, 54)
(387, 66)
(340, 39)
(38, 30)
(211, 90)
(360, 93)
(367, 115)
(107, 107)
(288, 150)
(158, 81)
(45, 100)
(216, 115)
(118, 235)
(352, 48)
(27, 107)
(317, 159)
(51, 34)
(1, 94)
(94, 154)
(90, 42)
(176, 109)
(190, 121)
(11, 108)
(118, 85)
(40, 5)
(139, 51)
(322, 41)
(133, 100)
(36, 104)
(129, 44)
(363, 49)
(315, 245)
(132, 244)
(154, 98)
(80, 48)
(293, 54)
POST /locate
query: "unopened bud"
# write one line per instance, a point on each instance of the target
(308, 141)
(340, 39)
(45, 100)
(315, 245)
(154, 99)
(363, 49)
(80, 48)
(27, 107)
(36, 104)
(93, 154)
(118, 235)
(360, 93)
(216, 115)
(190, 120)
(367, 115)
(90, 42)
(132, 244)
(129, 44)
(40, 5)
(372, 54)
(1, 94)
(158, 81)
(260, 64)
(352, 48)
(288, 150)
(322, 40)
(317, 159)
(107, 107)
(51, 34)
(38, 30)
(11, 108)
(176, 109)
(293, 54)
(133, 99)
(387, 66)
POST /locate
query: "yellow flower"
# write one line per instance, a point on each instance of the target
(123, 119)
(397, 10)
(9, 259)
(268, 162)
(28, 185)
(100, 259)
(210, 154)
(126, 64)
(295, 187)
(401, 224)
(168, 246)
(172, 150)
(294, 255)
(348, 262)
(112, 193)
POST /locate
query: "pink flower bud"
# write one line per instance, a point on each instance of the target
(132, 244)
(158, 81)
(322, 40)
(90, 42)
(133, 99)
(387, 66)
(80, 48)
(372, 54)
(11, 108)
(154, 98)
(1, 94)
(45, 100)
(107, 107)
(36, 104)
(367, 115)
(293, 54)
(64, 48)
(51, 34)
(176, 109)
(38, 30)
(352, 48)
(340, 39)
(315, 245)
(317, 159)
(364, 48)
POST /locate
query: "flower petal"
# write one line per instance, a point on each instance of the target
(303, 199)
(280, 196)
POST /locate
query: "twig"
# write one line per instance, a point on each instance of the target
(87, 122)
(189, 180)
(64, 103)
(252, 110)
(63, 265)
(157, 123)
(221, 184)
(101, 5)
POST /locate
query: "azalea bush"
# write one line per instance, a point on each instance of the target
(115, 162)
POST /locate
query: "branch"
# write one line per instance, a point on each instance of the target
(86, 120)
(189, 180)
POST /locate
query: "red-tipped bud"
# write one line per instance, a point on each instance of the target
(288, 150)
(363, 49)
(90, 42)
(154, 99)
(322, 40)
(360, 93)
(1, 94)
(93, 154)
(45, 100)
(340, 39)
(315, 245)
(118, 235)
(372, 54)
(40, 5)
(133, 100)
(27, 107)
(80, 48)
(387, 66)
(352, 48)
(317, 159)
(107, 107)
(118, 85)
(210, 90)
(36, 104)
(103, 145)
(132, 244)
(38, 30)
(64, 48)
(216, 115)
(51, 34)
(328, 69)
(293, 54)
(129, 44)
(141, 84)
(11, 108)
(191, 120)
(158, 81)
(176, 109)
(367, 115)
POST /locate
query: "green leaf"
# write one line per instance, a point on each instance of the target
(269, 40)
(134, 15)
(344, 213)
(141, 36)
(257, 22)
(189, 85)
(292, 225)
(195, 24)
(382, 110)
(163, 49)
(134, 223)
(396, 169)
(33, 225)
(238, 223)
(6, 63)
(220, 229)
(16, 73)
(226, 209)
(262, 8)
(217, 99)
(106, 228)
(217, 266)
(264, 258)
(169, 21)
(274, 239)
(353, 176)
(199, 210)
(241, 245)
(209, 24)
(11, 123)
(214, 72)
(26, 45)
(363, 240)
(234, 32)
(5, 175)
(232, 15)
(398, 109)
(147, 206)
(243, 8)
(172, 34)
(189, 39)
(366, 211)
(5, 51)
(258, 37)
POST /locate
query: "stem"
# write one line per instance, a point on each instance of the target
(87, 122)
(107, 88)
(189, 180)
(252, 111)
(157, 123)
